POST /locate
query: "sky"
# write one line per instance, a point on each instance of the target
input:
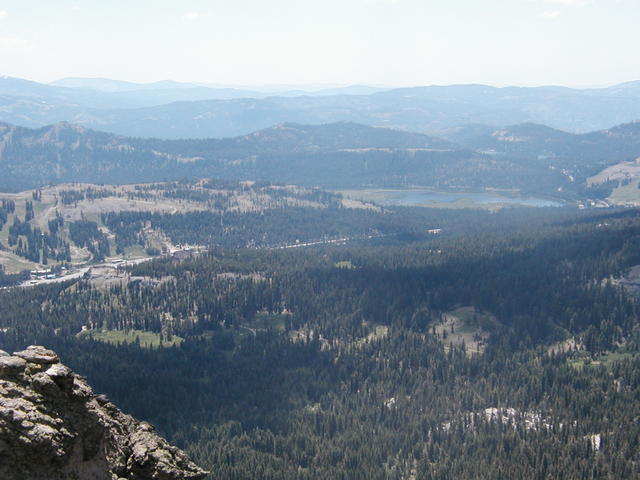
(331, 42)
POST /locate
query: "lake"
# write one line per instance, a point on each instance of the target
(413, 197)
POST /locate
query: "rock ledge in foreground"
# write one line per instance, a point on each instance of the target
(53, 427)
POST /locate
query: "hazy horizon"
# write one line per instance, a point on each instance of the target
(283, 87)
(288, 42)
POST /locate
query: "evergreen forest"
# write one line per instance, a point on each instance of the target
(503, 346)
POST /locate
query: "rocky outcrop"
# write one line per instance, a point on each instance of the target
(53, 427)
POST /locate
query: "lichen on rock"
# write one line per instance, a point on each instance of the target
(53, 427)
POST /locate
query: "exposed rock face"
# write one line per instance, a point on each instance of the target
(53, 427)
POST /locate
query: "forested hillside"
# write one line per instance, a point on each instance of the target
(522, 160)
(505, 349)
(70, 153)
(79, 224)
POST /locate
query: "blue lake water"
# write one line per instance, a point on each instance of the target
(417, 197)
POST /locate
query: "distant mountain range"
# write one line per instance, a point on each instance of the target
(527, 158)
(108, 85)
(529, 140)
(291, 153)
(172, 110)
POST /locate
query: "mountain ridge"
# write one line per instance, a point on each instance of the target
(529, 158)
(170, 111)
(66, 152)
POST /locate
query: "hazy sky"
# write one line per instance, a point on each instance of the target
(384, 42)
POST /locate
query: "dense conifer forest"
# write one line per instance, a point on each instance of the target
(526, 159)
(503, 347)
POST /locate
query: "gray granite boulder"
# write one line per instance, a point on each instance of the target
(53, 427)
